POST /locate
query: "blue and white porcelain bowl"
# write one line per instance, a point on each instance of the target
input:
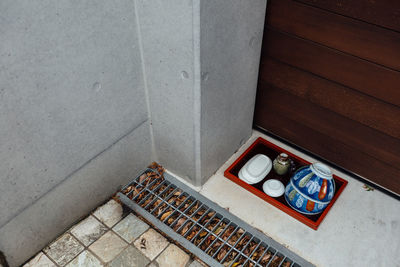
(301, 203)
(310, 189)
(315, 181)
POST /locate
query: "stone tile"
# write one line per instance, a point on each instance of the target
(173, 256)
(130, 257)
(85, 259)
(108, 246)
(151, 244)
(88, 230)
(197, 263)
(130, 228)
(153, 264)
(110, 213)
(64, 249)
(40, 260)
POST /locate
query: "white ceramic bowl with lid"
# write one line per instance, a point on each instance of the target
(255, 170)
(273, 188)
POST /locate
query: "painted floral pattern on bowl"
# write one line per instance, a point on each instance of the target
(317, 186)
(301, 203)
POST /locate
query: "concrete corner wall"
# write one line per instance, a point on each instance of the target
(201, 60)
(166, 29)
(73, 116)
(92, 91)
(230, 45)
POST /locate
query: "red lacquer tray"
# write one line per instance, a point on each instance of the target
(262, 146)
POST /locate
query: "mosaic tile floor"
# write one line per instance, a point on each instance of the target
(109, 237)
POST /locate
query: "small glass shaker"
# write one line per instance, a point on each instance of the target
(281, 164)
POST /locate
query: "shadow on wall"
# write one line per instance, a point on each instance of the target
(3, 260)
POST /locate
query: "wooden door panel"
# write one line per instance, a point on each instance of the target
(342, 129)
(357, 38)
(385, 13)
(333, 96)
(336, 152)
(353, 72)
(323, 143)
(329, 82)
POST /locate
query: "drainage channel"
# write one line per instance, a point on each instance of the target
(210, 232)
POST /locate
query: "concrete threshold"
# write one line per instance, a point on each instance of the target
(361, 229)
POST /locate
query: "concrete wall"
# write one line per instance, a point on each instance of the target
(231, 37)
(79, 83)
(166, 29)
(201, 60)
(73, 115)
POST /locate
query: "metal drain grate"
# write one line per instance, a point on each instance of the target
(201, 226)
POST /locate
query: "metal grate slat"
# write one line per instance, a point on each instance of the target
(240, 252)
(210, 232)
(254, 251)
(226, 241)
(262, 256)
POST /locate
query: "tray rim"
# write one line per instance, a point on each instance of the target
(286, 209)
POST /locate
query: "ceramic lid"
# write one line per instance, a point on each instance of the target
(256, 169)
(273, 188)
(257, 165)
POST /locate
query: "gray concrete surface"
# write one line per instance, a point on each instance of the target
(231, 37)
(201, 63)
(166, 29)
(71, 90)
(92, 91)
(361, 229)
(71, 85)
(51, 215)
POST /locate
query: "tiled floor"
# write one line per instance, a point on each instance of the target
(108, 237)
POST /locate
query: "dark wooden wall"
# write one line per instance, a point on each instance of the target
(330, 82)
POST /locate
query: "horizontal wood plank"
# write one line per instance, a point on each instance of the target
(357, 136)
(353, 72)
(385, 13)
(280, 118)
(349, 35)
(343, 100)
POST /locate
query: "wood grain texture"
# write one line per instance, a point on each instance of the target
(331, 64)
(385, 13)
(280, 118)
(352, 36)
(329, 82)
(358, 136)
(337, 98)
